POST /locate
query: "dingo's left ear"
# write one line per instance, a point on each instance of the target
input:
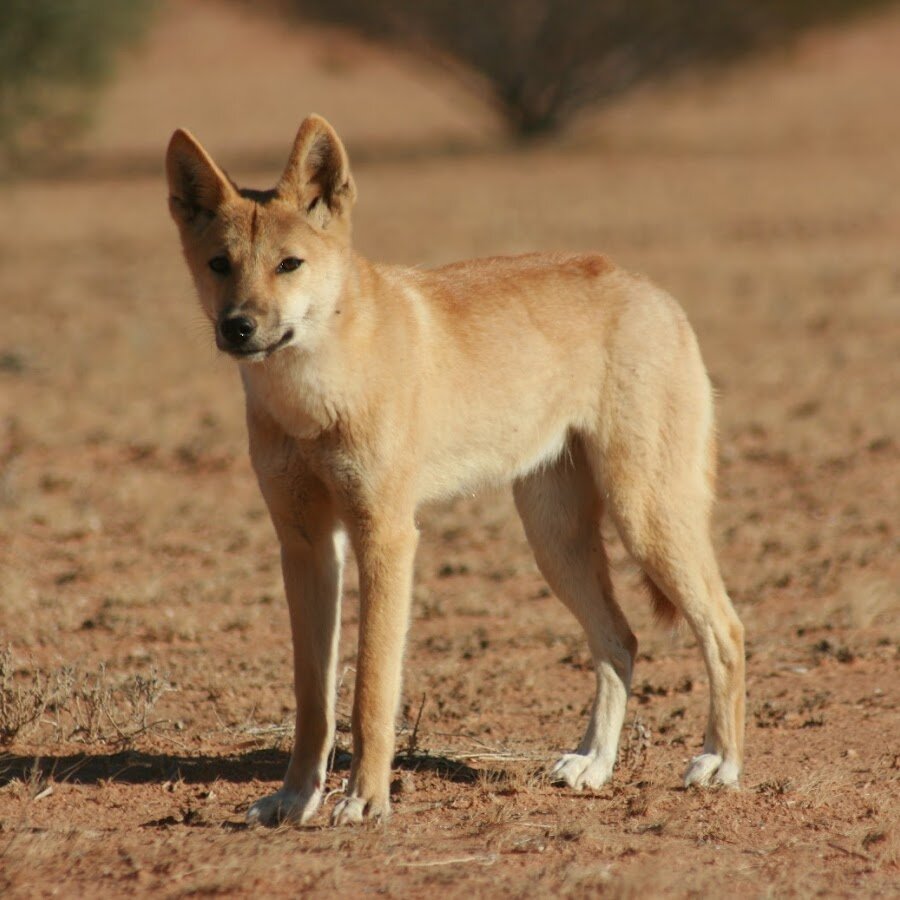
(317, 175)
(197, 186)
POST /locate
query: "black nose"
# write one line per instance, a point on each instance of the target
(237, 330)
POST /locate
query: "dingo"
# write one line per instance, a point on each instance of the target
(371, 389)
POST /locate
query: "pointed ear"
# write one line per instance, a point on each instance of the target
(317, 176)
(197, 186)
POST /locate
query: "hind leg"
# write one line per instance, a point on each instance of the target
(662, 512)
(688, 575)
(560, 510)
(686, 572)
(721, 637)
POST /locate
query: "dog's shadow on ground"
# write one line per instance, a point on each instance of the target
(138, 767)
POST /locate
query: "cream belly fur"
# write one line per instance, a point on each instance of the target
(371, 389)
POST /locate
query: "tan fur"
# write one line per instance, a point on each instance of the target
(371, 389)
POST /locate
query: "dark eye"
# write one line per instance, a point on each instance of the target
(289, 264)
(221, 265)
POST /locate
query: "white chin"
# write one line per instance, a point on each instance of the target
(261, 356)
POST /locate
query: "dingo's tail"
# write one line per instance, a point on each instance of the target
(664, 610)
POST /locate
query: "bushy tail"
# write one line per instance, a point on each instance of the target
(664, 610)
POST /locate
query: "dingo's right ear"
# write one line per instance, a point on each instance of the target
(197, 186)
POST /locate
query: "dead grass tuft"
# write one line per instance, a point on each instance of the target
(70, 704)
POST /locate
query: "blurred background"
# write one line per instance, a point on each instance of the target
(521, 69)
(743, 155)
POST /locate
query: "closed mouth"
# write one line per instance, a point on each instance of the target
(263, 352)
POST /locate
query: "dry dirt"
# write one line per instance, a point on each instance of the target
(146, 687)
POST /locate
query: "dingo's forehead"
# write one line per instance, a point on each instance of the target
(259, 223)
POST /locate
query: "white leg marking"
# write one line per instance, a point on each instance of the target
(583, 770)
(354, 810)
(710, 770)
(285, 806)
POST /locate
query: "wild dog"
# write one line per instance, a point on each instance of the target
(371, 389)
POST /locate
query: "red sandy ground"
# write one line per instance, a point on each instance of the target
(139, 588)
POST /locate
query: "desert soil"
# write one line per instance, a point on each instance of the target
(145, 675)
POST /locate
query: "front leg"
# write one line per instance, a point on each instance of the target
(385, 553)
(312, 556)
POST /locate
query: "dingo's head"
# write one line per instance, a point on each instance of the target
(269, 266)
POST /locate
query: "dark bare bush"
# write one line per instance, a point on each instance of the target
(53, 56)
(539, 62)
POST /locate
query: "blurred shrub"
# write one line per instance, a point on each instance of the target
(53, 55)
(538, 62)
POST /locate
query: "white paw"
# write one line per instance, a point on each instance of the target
(710, 770)
(354, 810)
(582, 770)
(285, 806)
